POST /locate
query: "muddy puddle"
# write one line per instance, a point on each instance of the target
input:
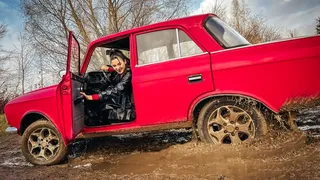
(175, 155)
(270, 157)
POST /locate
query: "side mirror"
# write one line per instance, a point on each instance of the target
(62, 73)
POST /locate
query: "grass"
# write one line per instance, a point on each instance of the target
(3, 124)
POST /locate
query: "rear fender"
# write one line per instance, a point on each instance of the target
(216, 94)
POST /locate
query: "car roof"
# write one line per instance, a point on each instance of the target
(185, 21)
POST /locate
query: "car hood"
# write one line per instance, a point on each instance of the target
(42, 93)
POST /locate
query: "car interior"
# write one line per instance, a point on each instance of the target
(114, 110)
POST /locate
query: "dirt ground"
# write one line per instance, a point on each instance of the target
(174, 155)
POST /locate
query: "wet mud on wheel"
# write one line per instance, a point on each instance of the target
(227, 121)
(42, 144)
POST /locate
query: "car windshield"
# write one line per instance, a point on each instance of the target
(223, 33)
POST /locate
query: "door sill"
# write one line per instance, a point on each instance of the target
(137, 129)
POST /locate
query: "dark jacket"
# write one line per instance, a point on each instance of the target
(120, 85)
(117, 99)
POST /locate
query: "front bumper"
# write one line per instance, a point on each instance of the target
(11, 130)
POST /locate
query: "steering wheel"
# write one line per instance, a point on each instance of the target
(107, 76)
(96, 81)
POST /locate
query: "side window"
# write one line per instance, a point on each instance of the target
(163, 45)
(157, 46)
(187, 46)
(98, 59)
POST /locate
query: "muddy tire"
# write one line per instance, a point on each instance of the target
(42, 144)
(226, 121)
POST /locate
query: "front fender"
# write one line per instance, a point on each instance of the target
(32, 116)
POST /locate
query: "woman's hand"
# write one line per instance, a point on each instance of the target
(104, 68)
(88, 97)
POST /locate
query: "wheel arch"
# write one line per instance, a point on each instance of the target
(200, 102)
(33, 116)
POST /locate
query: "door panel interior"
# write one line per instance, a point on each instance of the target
(77, 105)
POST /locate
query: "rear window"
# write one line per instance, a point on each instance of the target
(224, 34)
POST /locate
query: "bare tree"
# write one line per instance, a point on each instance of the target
(47, 29)
(48, 22)
(23, 60)
(4, 74)
(3, 30)
(318, 26)
(292, 33)
(218, 7)
(252, 27)
(4, 57)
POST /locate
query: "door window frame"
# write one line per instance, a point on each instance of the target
(72, 38)
(135, 58)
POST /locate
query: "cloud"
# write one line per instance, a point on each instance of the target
(284, 14)
(206, 6)
(289, 14)
(3, 5)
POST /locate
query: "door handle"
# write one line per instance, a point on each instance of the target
(195, 78)
(78, 100)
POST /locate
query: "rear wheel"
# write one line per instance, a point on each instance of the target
(42, 144)
(227, 121)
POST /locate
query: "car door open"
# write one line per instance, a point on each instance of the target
(73, 107)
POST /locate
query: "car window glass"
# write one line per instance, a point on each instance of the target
(226, 35)
(75, 56)
(98, 59)
(157, 46)
(187, 46)
(162, 45)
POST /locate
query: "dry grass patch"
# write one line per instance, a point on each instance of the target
(3, 124)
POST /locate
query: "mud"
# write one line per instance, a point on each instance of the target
(174, 155)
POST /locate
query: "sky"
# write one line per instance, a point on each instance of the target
(10, 15)
(286, 14)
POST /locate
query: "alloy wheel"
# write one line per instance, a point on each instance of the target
(43, 144)
(230, 125)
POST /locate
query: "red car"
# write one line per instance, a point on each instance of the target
(191, 72)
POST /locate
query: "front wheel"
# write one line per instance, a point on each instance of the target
(227, 121)
(42, 144)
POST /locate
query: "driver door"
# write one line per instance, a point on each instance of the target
(72, 104)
